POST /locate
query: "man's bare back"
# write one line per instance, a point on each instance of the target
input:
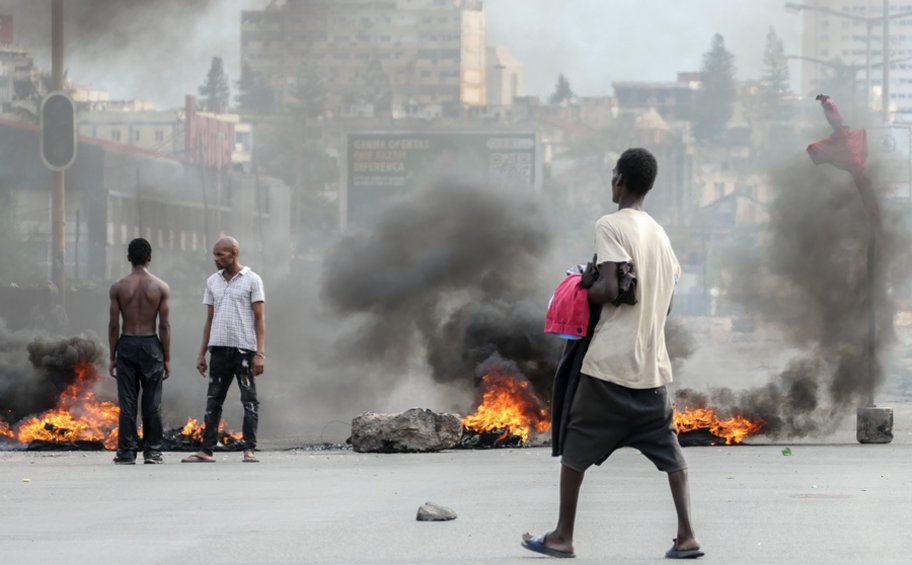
(140, 299)
(139, 296)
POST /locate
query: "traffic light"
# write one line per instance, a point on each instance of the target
(58, 131)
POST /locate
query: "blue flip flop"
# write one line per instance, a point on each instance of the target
(675, 553)
(537, 545)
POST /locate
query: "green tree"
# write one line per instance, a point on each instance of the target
(310, 92)
(216, 91)
(714, 102)
(377, 87)
(562, 90)
(838, 82)
(253, 95)
(775, 80)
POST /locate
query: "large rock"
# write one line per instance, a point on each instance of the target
(874, 425)
(414, 430)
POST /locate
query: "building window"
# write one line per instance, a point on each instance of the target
(159, 136)
(136, 135)
(115, 135)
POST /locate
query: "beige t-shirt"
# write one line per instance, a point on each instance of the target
(628, 346)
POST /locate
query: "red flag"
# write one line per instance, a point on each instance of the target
(846, 149)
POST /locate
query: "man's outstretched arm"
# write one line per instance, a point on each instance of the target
(164, 327)
(201, 364)
(113, 327)
(259, 320)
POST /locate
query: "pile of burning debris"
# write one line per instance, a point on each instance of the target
(508, 414)
(702, 425)
(81, 422)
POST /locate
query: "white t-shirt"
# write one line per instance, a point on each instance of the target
(628, 346)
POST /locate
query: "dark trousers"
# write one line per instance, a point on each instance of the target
(140, 366)
(226, 363)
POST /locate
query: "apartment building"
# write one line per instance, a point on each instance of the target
(404, 57)
(219, 140)
(851, 31)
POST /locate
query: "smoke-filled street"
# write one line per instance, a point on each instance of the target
(348, 257)
(831, 501)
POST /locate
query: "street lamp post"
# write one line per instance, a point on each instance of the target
(870, 22)
(853, 69)
(885, 88)
(58, 194)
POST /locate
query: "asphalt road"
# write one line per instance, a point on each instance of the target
(833, 501)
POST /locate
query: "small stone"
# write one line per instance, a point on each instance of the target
(430, 512)
(26, 480)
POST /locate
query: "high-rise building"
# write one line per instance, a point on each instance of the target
(504, 77)
(850, 33)
(399, 56)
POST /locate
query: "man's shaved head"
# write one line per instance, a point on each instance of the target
(225, 252)
(229, 243)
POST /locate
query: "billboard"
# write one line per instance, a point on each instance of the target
(380, 166)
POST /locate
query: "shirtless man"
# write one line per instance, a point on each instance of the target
(139, 357)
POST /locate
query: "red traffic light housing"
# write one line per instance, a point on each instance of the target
(58, 131)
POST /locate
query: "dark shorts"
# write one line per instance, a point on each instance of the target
(605, 416)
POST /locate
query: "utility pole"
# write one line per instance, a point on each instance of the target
(58, 194)
(867, 90)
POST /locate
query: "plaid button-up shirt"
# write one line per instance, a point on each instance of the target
(232, 302)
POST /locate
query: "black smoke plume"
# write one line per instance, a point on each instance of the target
(35, 370)
(101, 24)
(808, 277)
(453, 274)
(123, 46)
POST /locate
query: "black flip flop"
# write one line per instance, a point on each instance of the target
(675, 553)
(538, 546)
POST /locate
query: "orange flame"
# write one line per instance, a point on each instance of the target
(78, 416)
(732, 430)
(508, 404)
(194, 430)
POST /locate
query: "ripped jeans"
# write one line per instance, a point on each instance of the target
(226, 363)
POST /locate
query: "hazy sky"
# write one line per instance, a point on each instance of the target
(161, 55)
(597, 42)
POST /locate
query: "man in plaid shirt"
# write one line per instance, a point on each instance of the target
(235, 336)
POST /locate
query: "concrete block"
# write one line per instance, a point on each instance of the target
(874, 425)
